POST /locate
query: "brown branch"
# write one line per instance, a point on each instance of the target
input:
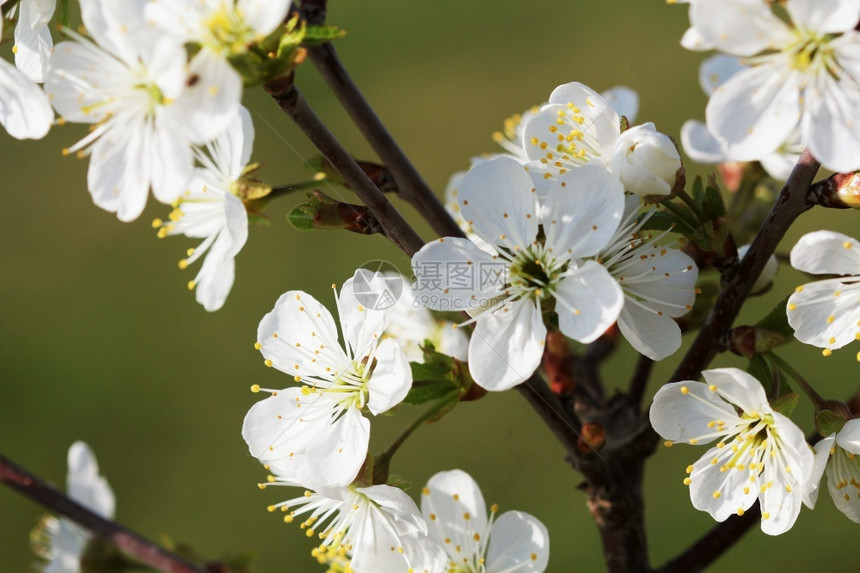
(793, 201)
(639, 381)
(123, 539)
(713, 544)
(393, 224)
(410, 185)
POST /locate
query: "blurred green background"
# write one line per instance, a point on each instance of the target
(101, 341)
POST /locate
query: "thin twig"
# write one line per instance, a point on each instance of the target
(393, 224)
(112, 532)
(713, 544)
(639, 381)
(410, 185)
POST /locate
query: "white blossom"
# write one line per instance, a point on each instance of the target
(842, 454)
(703, 146)
(67, 540)
(802, 75)
(222, 28)
(659, 285)
(499, 200)
(210, 210)
(315, 434)
(826, 313)
(456, 514)
(646, 162)
(147, 105)
(761, 455)
(25, 112)
(367, 529)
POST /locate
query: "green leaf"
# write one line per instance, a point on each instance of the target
(759, 368)
(665, 221)
(786, 403)
(429, 371)
(777, 320)
(317, 35)
(712, 200)
(302, 217)
(424, 391)
(828, 422)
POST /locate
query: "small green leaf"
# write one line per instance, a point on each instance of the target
(665, 221)
(302, 217)
(317, 35)
(786, 403)
(712, 200)
(777, 320)
(759, 368)
(828, 422)
(424, 391)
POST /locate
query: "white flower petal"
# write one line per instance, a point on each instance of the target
(361, 305)
(391, 379)
(825, 313)
(588, 301)
(739, 27)
(294, 329)
(507, 345)
(825, 253)
(694, 41)
(822, 455)
(208, 106)
(120, 165)
(263, 15)
(755, 110)
(700, 144)
(518, 542)
(829, 16)
(829, 123)
(85, 485)
(454, 274)
(715, 70)
(719, 491)
(681, 416)
(624, 101)
(24, 109)
(739, 388)
(656, 336)
(454, 508)
(33, 41)
(582, 211)
(498, 200)
(848, 437)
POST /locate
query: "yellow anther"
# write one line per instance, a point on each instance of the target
(183, 264)
(685, 390)
(255, 388)
(191, 285)
(826, 352)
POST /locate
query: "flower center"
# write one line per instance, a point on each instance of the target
(534, 273)
(227, 30)
(812, 52)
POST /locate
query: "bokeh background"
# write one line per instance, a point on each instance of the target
(101, 341)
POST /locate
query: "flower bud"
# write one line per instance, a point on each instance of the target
(646, 161)
(767, 273)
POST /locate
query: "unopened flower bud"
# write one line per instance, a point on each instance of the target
(767, 273)
(646, 161)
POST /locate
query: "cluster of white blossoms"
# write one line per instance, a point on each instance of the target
(158, 119)
(314, 435)
(797, 83)
(554, 228)
(63, 542)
